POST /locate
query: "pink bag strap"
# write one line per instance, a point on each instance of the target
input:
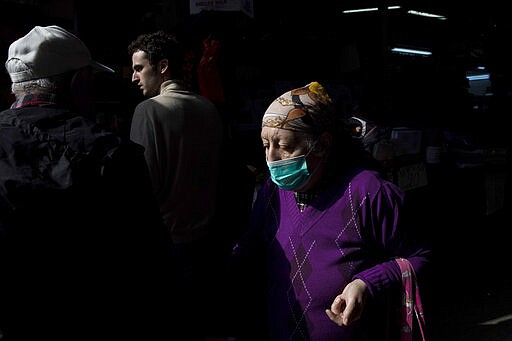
(411, 302)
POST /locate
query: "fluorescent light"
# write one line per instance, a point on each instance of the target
(410, 51)
(479, 83)
(369, 9)
(481, 77)
(425, 14)
(496, 321)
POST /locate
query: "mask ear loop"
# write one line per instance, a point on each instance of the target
(313, 146)
(326, 140)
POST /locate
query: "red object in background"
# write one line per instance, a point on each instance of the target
(210, 82)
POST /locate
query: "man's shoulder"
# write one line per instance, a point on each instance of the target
(176, 102)
(57, 144)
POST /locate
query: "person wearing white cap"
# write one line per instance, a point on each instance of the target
(49, 51)
(39, 61)
(82, 243)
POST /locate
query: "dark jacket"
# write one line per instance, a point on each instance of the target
(83, 249)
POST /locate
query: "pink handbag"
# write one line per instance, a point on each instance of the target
(411, 303)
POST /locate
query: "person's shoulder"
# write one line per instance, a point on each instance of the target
(372, 181)
(7, 115)
(201, 99)
(146, 104)
(208, 102)
(366, 174)
(197, 97)
(268, 188)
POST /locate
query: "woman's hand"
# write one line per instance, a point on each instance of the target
(348, 306)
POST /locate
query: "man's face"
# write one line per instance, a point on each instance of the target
(147, 77)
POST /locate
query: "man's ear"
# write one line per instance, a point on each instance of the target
(163, 65)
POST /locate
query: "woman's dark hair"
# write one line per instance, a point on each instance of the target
(160, 45)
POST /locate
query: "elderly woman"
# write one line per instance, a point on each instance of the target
(327, 229)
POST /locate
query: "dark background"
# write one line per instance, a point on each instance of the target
(299, 41)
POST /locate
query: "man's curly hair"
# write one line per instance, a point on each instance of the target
(160, 45)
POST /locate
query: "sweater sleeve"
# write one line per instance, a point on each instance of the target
(389, 233)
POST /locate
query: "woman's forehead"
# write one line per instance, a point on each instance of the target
(278, 134)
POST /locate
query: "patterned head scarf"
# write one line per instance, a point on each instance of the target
(308, 109)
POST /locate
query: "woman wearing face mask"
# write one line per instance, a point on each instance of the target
(326, 230)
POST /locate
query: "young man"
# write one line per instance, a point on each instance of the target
(182, 134)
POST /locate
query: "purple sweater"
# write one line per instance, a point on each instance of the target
(351, 230)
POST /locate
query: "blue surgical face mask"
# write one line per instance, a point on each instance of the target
(290, 174)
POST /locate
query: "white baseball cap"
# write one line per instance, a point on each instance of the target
(49, 51)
